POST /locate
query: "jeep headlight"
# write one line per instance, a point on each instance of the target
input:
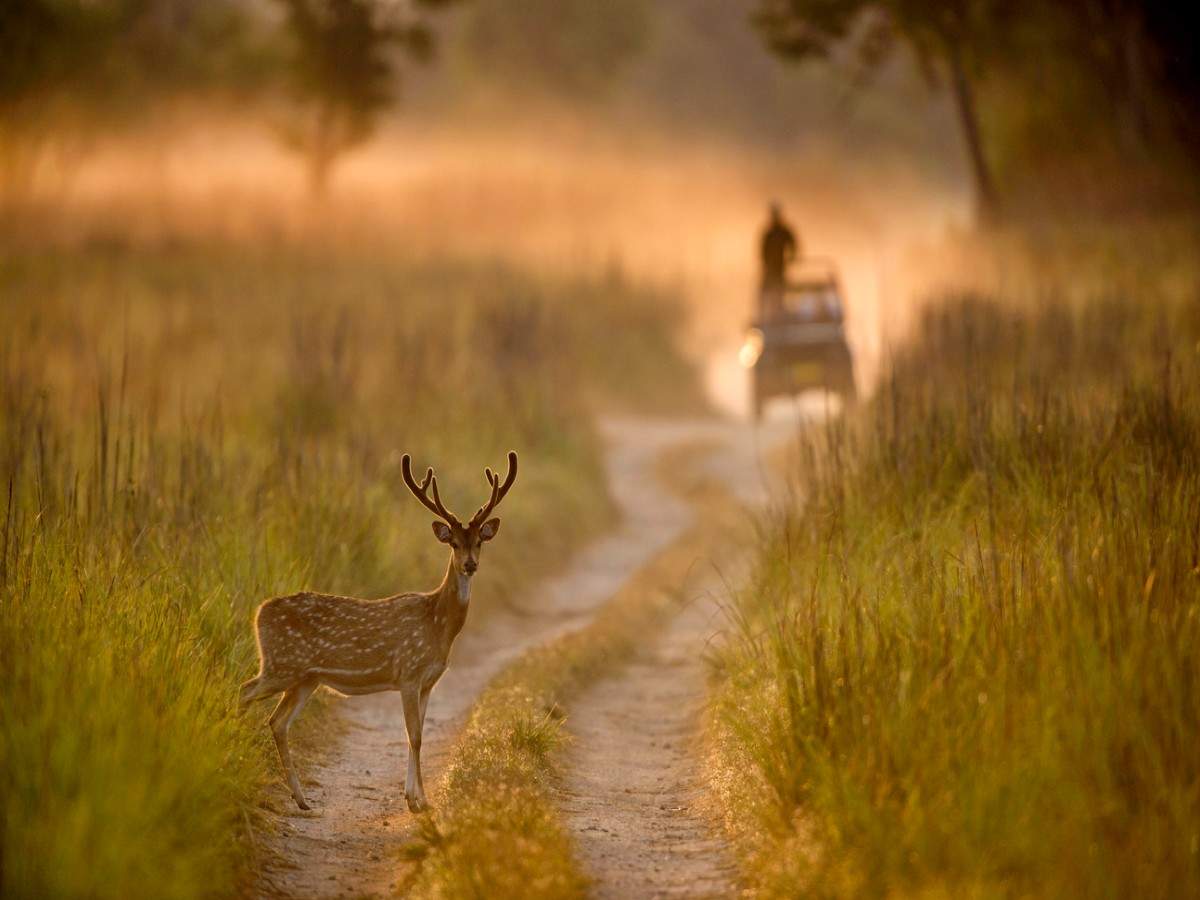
(752, 348)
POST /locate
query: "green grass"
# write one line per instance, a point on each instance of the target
(187, 430)
(967, 662)
(496, 831)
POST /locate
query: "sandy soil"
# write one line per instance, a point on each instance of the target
(348, 845)
(632, 789)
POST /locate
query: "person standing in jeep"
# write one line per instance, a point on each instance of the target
(777, 248)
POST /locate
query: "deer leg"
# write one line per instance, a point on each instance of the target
(256, 689)
(249, 692)
(425, 692)
(285, 713)
(414, 790)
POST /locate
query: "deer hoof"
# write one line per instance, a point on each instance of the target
(302, 803)
(416, 804)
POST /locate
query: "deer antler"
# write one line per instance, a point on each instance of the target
(498, 489)
(421, 491)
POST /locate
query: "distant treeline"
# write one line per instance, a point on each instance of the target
(321, 71)
(1036, 85)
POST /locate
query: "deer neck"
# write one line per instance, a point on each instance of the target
(452, 601)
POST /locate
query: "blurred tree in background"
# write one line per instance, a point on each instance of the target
(1143, 57)
(1057, 93)
(342, 72)
(1036, 85)
(70, 67)
(950, 39)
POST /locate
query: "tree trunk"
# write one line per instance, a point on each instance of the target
(987, 206)
(1136, 124)
(322, 152)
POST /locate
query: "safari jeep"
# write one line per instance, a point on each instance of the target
(798, 341)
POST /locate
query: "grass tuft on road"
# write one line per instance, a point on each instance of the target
(967, 661)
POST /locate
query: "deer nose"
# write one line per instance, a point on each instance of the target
(470, 566)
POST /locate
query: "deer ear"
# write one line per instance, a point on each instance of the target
(441, 531)
(488, 529)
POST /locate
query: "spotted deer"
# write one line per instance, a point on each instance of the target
(353, 646)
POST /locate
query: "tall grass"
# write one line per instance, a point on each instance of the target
(967, 663)
(188, 430)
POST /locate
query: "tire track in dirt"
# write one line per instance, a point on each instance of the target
(348, 845)
(632, 789)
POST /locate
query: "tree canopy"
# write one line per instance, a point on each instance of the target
(342, 71)
(73, 66)
(949, 39)
(1079, 72)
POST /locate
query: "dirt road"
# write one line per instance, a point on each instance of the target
(347, 846)
(632, 789)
